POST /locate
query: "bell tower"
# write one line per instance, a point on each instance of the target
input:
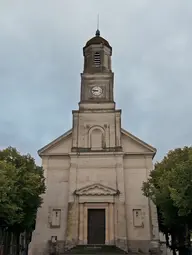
(97, 76)
(97, 124)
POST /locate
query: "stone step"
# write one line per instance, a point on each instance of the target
(95, 249)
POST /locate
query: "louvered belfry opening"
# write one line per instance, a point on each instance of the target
(97, 59)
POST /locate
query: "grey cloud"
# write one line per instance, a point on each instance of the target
(41, 60)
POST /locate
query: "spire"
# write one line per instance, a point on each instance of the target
(97, 31)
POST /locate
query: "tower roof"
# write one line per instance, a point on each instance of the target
(97, 39)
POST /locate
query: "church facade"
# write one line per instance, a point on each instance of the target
(94, 172)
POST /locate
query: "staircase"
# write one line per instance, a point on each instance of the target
(95, 249)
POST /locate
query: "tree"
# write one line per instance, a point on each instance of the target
(170, 188)
(10, 210)
(21, 186)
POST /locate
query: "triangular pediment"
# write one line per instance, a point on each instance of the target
(59, 146)
(133, 145)
(96, 189)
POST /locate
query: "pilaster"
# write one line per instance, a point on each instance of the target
(75, 129)
(121, 231)
(154, 226)
(118, 128)
(73, 206)
(81, 224)
(45, 165)
(111, 223)
(85, 224)
(107, 229)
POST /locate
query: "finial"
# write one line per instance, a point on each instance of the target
(97, 31)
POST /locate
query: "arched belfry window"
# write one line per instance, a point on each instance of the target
(96, 138)
(97, 59)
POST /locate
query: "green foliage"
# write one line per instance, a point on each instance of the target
(10, 210)
(170, 188)
(181, 187)
(21, 186)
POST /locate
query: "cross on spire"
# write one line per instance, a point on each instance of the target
(97, 31)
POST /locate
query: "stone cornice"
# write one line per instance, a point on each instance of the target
(138, 153)
(96, 153)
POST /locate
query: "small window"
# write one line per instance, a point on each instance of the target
(97, 59)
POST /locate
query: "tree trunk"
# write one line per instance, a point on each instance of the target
(187, 237)
(174, 252)
(173, 243)
(167, 239)
(2, 234)
(184, 241)
(17, 243)
(7, 242)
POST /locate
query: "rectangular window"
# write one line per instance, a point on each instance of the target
(137, 218)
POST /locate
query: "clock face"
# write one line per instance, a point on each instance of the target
(96, 91)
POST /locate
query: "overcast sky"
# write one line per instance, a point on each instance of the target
(41, 61)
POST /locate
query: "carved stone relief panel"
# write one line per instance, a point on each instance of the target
(55, 218)
(137, 218)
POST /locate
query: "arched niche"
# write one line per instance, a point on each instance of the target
(96, 138)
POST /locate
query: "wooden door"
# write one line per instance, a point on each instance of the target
(96, 226)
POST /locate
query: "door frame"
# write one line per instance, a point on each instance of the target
(109, 221)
